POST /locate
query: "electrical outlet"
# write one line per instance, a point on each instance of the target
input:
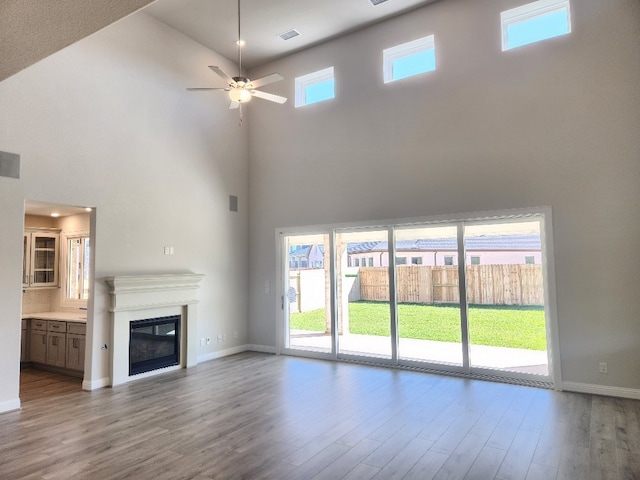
(220, 338)
(603, 367)
(208, 340)
(202, 341)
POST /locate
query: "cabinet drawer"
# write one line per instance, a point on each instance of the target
(77, 328)
(38, 324)
(53, 326)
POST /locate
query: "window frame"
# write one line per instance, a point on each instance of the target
(391, 54)
(304, 81)
(530, 11)
(66, 238)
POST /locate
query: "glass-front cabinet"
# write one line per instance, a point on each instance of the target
(40, 258)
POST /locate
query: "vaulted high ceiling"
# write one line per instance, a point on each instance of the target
(31, 30)
(214, 23)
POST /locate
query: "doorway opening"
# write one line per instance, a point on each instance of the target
(57, 289)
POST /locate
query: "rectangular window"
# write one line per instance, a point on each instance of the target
(315, 87)
(535, 22)
(530, 260)
(448, 260)
(371, 261)
(475, 260)
(401, 260)
(416, 260)
(357, 262)
(409, 59)
(78, 269)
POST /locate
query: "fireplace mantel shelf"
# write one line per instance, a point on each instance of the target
(134, 292)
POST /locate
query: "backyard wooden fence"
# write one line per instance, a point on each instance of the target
(486, 284)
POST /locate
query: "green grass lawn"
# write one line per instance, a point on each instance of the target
(500, 326)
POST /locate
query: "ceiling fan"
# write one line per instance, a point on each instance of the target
(240, 88)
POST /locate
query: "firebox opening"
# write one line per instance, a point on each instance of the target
(154, 343)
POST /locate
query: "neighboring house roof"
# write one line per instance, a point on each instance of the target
(362, 247)
(300, 251)
(526, 242)
(485, 242)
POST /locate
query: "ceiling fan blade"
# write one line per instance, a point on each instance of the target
(266, 80)
(222, 74)
(268, 96)
(204, 88)
(234, 105)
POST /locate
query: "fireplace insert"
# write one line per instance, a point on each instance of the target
(154, 343)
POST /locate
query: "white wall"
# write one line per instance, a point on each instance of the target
(556, 123)
(108, 123)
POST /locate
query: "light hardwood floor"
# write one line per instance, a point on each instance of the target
(257, 416)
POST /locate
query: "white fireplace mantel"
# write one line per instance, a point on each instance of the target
(138, 297)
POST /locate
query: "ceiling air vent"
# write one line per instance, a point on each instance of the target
(377, 2)
(289, 34)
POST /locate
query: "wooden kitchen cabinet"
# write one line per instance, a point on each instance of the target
(24, 334)
(56, 349)
(40, 258)
(38, 341)
(76, 342)
(58, 343)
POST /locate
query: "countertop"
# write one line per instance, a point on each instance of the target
(80, 317)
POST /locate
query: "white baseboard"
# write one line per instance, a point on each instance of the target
(89, 385)
(10, 405)
(221, 353)
(632, 393)
(233, 350)
(261, 348)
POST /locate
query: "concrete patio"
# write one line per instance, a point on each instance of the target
(498, 358)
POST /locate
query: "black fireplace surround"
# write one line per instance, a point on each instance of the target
(154, 343)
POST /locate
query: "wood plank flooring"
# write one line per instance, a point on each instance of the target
(257, 416)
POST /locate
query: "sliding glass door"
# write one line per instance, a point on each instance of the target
(428, 295)
(505, 295)
(466, 296)
(306, 299)
(363, 293)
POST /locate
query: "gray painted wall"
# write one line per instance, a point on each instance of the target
(107, 123)
(555, 123)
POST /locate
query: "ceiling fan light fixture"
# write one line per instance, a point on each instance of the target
(239, 95)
